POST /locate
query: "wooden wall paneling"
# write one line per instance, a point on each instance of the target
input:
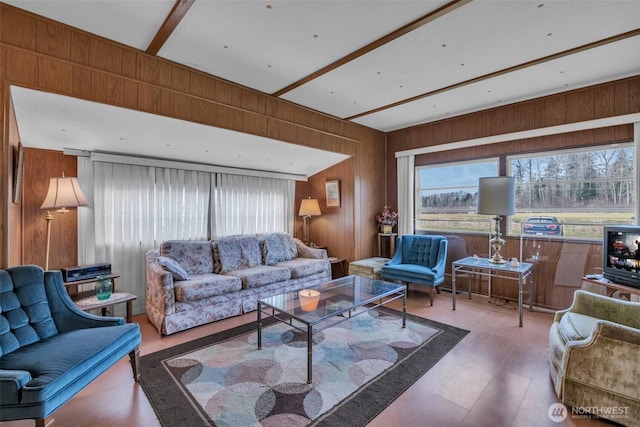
(79, 48)
(502, 120)
(53, 40)
(580, 105)
(634, 95)
(105, 56)
(55, 76)
(18, 29)
(555, 110)
(39, 167)
(82, 82)
(524, 116)
(604, 101)
(22, 67)
(107, 88)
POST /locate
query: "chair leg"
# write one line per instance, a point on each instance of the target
(134, 358)
(438, 289)
(46, 422)
(431, 292)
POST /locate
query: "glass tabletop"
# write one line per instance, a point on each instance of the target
(470, 261)
(312, 305)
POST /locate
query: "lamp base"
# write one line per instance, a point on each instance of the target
(496, 243)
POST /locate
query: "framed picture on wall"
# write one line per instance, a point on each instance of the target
(18, 166)
(332, 190)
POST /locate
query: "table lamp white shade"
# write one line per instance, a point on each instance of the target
(64, 192)
(497, 195)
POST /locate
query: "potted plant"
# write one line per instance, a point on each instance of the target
(387, 219)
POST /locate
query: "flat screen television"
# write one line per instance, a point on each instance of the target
(621, 254)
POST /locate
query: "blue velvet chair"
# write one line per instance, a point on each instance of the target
(50, 349)
(419, 259)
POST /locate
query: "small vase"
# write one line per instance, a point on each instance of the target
(103, 287)
(387, 229)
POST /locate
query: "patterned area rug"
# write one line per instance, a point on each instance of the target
(359, 367)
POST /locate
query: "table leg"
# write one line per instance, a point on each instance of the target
(453, 287)
(129, 310)
(404, 307)
(520, 291)
(531, 289)
(259, 325)
(309, 354)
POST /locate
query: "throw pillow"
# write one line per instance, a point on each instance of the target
(174, 267)
(277, 247)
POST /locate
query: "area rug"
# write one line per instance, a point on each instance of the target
(359, 367)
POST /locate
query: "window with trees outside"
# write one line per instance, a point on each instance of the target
(571, 193)
(559, 194)
(447, 196)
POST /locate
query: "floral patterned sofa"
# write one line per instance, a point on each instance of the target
(191, 283)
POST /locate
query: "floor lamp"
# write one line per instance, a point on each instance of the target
(63, 193)
(497, 196)
(308, 208)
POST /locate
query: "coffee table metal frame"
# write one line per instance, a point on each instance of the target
(365, 293)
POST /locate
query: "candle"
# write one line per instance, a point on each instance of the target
(309, 299)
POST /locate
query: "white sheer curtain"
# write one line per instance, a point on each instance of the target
(405, 165)
(249, 205)
(134, 209)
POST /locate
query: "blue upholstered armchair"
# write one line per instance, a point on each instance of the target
(419, 259)
(50, 349)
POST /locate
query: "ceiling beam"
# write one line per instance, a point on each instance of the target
(414, 25)
(592, 45)
(179, 10)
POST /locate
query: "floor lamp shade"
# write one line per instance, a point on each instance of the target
(308, 208)
(497, 195)
(63, 193)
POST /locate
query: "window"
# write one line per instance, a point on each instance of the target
(447, 195)
(570, 189)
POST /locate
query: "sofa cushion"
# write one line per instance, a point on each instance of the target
(575, 326)
(407, 272)
(277, 247)
(173, 267)
(196, 257)
(25, 317)
(304, 267)
(261, 275)
(206, 286)
(236, 252)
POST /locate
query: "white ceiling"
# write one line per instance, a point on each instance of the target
(467, 57)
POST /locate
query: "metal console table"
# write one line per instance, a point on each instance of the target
(482, 267)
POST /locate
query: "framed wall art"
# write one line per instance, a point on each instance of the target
(332, 190)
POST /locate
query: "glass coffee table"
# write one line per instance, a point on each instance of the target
(315, 309)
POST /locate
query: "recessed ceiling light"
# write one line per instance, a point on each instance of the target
(562, 72)
(462, 65)
(444, 45)
(226, 46)
(549, 34)
(540, 5)
(168, 145)
(63, 130)
(315, 36)
(269, 6)
(268, 65)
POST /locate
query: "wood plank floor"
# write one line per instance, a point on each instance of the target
(497, 376)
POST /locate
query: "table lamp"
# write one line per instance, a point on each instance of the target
(497, 196)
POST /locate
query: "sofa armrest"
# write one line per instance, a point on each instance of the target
(441, 262)
(305, 251)
(607, 359)
(66, 315)
(397, 255)
(160, 287)
(11, 382)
